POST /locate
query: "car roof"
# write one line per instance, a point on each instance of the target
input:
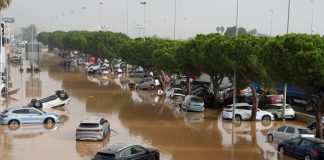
(91, 120)
(299, 127)
(239, 104)
(115, 148)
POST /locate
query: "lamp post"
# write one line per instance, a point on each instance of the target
(100, 3)
(83, 8)
(313, 1)
(234, 78)
(144, 4)
(271, 22)
(175, 19)
(184, 28)
(127, 6)
(72, 12)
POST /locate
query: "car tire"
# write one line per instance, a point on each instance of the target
(270, 138)
(13, 124)
(3, 90)
(282, 150)
(307, 157)
(63, 95)
(152, 87)
(49, 121)
(38, 104)
(266, 118)
(137, 88)
(238, 117)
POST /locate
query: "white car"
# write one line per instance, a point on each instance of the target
(96, 67)
(60, 98)
(92, 128)
(276, 110)
(287, 132)
(243, 111)
(174, 92)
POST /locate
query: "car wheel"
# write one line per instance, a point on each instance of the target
(154, 158)
(238, 118)
(49, 126)
(13, 124)
(266, 118)
(91, 70)
(270, 138)
(62, 95)
(4, 90)
(282, 150)
(307, 157)
(152, 87)
(137, 88)
(276, 117)
(38, 104)
(49, 121)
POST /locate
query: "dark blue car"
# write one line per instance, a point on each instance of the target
(303, 148)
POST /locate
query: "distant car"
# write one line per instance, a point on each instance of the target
(92, 128)
(193, 103)
(276, 110)
(137, 73)
(243, 111)
(16, 116)
(303, 148)
(286, 132)
(174, 92)
(148, 83)
(126, 151)
(96, 67)
(15, 59)
(60, 98)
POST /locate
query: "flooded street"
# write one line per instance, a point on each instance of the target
(139, 117)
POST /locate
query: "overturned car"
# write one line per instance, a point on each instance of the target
(59, 99)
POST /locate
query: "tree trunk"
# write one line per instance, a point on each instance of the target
(255, 104)
(162, 80)
(111, 66)
(318, 116)
(216, 80)
(188, 84)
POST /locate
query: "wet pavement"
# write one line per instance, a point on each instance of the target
(138, 117)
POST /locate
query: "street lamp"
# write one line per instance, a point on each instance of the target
(71, 20)
(234, 77)
(83, 8)
(271, 22)
(100, 3)
(127, 6)
(144, 3)
(175, 19)
(313, 1)
(184, 28)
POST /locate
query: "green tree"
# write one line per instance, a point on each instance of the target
(231, 31)
(4, 4)
(298, 59)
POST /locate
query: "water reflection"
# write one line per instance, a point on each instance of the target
(33, 86)
(28, 131)
(86, 149)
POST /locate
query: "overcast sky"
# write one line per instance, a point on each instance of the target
(193, 16)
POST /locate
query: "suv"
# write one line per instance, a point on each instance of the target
(147, 83)
(92, 128)
(244, 111)
(16, 116)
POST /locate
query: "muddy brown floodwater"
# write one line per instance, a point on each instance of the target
(138, 117)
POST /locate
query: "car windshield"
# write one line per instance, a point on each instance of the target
(305, 131)
(89, 125)
(196, 99)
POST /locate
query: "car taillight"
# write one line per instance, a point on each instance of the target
(314, 152)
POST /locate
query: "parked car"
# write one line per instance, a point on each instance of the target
(193, 103)
(92, 128)
(243, 111)
(303, 148)
(276, 110)
(312, 126)
(148, 83)
(286, 132)
(16, 116)
(126, 151)
(137, 73)
(174, 92)
(15, 59)
(96, 67)
(60, 98)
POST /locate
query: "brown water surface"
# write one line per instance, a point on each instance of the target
(139, 117)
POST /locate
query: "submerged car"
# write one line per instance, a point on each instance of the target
(60, 98)
(148, 83)
(92, 128)
(193, 103)
(243, 111)
(303, 148)
(16, 116)
(276, 110)
(174, 92)
(96, 67)
(126, 151)
(286, 132)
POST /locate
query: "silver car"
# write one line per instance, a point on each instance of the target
(148, 83)
(16, 116)
(287, 132)
(92, 128)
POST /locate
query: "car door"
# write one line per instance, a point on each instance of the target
(35, 116)
(302, 148)
(246, 112)
(290, 132)
(278, 134)
(292, 145)
(22, 115)
(139, 153)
